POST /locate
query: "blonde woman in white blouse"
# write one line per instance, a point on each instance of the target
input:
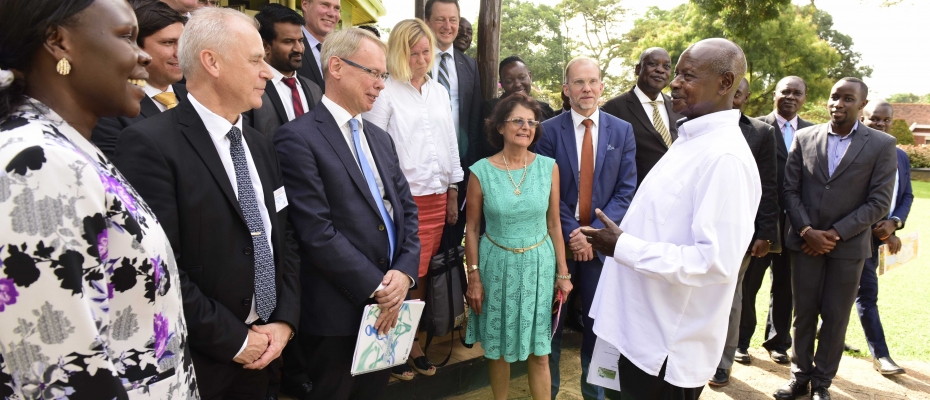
(415, 110)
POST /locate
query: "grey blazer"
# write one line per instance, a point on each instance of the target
(855, 197)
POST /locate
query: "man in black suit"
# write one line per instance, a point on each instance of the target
(839, 181)
(790, 94)
(648, 110)
(159, 29)
(287, 95)
(458, 73)
(761, 139)
(216, 188)
(321, 17)
(463, 39)
(353, 217)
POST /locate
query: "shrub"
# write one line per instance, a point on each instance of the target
(901, 132)
(919, 155)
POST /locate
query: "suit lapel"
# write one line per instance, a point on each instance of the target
(333, 134)
(148, 108)
(311, 101)
(672, 126)
(637, 108)
(859, 140)
(603, 139)
(780, 143)
(379, 154)
(198, 136)
(272, 93)
(310, 62)
(822, 155)
(568, 141)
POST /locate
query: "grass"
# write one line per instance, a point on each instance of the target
(903, 296)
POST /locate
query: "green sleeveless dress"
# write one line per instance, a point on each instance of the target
(516, 318)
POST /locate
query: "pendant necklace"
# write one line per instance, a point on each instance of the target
(516, 185)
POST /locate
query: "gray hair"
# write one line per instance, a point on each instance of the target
(577, 60)
(729, 59)
(208, 29)
(344, 44)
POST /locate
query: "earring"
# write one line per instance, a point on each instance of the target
(63, 67)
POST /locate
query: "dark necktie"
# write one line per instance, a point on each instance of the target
(319, 49)
(295, 96)
(587, 175)
(265, 294)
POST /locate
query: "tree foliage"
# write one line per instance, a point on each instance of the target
(598, 23)
(536, 33)
(908, 98)
(901, 132)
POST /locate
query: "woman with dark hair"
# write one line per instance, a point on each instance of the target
(520, 262)
(90, 301)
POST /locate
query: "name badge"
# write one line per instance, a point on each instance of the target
(280, 199)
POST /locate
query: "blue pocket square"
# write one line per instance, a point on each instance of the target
(609, 147)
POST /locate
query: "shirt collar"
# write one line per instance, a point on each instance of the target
(448, 51)
(152, 91)
(311, 40)
(216, 125)
(692, 128)
(277, 76)
(782, 121)
(645, 99)
(854, 128)
(340, 114)
(577, 119)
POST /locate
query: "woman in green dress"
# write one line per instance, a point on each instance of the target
(512, 275)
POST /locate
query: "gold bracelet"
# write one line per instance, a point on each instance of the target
(472, 268)
(563, 277)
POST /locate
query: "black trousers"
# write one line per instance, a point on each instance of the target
(824, 288)
(778, 324)
(229, 381)
(636, 384)
(329, 370)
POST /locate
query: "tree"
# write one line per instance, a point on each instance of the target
(599, 23)
(849, 59)
(906, 98)
(901, 132)
(740, 18)
(535, 33)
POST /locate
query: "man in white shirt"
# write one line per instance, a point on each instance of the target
(321, 18)
(667, 290)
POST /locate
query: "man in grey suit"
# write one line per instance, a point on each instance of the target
(287, 95)
(642, 104)
(838, 182)
(790, 94)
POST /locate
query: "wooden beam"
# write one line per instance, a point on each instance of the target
(418, 9)
(489, 35)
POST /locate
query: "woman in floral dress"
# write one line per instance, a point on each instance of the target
(90, 301)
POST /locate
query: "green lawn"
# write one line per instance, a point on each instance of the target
(903, 296)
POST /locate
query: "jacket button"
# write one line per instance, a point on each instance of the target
(247, 301)
(382, 261)
(381, 227)
(247, 251)
(828, 187)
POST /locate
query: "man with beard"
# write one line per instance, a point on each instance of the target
(463, 40)
(839, 181)
(287, 95)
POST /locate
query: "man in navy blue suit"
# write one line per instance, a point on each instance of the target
(878, 115)
(353, 216)
(598, 152)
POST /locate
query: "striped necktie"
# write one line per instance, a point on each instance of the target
(444, 73)
(659, 124)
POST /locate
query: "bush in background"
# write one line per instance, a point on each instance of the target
(901, 132)
(919, 155)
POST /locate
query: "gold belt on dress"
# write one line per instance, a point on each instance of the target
(518, 250)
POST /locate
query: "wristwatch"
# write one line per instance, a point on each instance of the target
(898, 224)
(454, 186)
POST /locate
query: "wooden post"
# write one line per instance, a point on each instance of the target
(489, 35)
(418, 9)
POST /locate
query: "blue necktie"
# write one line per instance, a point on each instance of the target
(789, 135)
(373, 186)
(265, 295)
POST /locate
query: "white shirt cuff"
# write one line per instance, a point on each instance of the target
(381, 286)
(628, 249)
(244, 344)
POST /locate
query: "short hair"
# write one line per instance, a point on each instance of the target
(372, 29)
(503, 109)
(876, 103)
(404, 36)
(863, 88)
(428, 8)
(577, 60)
(272, 14)
(344, 43)
(729, 59)
(208, 28)
(803, 82)
(507, 61)
(153, 16)
(648, 51)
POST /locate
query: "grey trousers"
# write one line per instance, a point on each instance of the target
(823, 287)
(729, 349)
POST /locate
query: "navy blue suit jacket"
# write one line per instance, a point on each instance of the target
(904, 196)
(341, 238)
(614, 167)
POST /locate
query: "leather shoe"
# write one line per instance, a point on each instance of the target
(820, 393)
(742, 356)
(779, 356)
(721, 378)
(849, 347)
(791, 390)
(297, 390)
(887, 366)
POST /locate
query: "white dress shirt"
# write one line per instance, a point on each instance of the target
(284, 92)
(668, 289)
(577, 119)
(645, 100)
(152, 91)
(311, 40)
(420, 122)
(453, 81)
(218, 127)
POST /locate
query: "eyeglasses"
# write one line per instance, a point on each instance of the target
(580, 83)
(519, 122)
(372, 73)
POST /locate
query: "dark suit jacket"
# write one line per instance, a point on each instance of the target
(271, 115)
(342, 244)
(855, 197)
(108, 129)
(469, 107)
(614, 167)
(761, 139)
(309, 69)
(172, 162)
(486, 149)
(905, 195)
(649, 144)
(782, 156)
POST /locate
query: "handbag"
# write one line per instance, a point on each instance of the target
(445, 291)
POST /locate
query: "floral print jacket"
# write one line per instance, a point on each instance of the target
(90, 301)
